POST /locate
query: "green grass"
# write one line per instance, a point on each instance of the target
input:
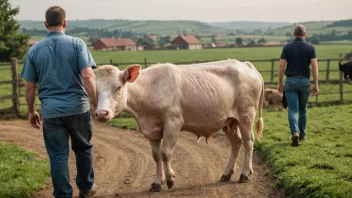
(320, 167)
(21, 173)
(174, 56)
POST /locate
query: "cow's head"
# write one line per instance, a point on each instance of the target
(112, 90)
(346, 68)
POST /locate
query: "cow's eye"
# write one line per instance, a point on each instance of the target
(118, 88)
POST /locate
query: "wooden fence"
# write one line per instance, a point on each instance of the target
(16, 81)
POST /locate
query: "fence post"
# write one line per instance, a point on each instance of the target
(145, 63)
(15, 96)
(272, 69)
(110, 61)
(341, 87)
(328, 71)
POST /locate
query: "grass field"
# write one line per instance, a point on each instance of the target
(320, 167)
(21, 173)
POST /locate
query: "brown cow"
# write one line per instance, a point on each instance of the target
(272, 98)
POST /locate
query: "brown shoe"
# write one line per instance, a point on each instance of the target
(295, 139)
(88, 193)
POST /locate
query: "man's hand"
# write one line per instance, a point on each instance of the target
(281, 87)
(34, 120)
(315, 90)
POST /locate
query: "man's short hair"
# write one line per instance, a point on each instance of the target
(55, 16)
(299, 30)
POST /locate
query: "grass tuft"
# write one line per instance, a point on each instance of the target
(21, 173)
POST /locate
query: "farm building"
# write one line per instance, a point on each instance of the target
(109, 44)
(187, 42)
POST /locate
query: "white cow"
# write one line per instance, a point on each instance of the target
(202, 99)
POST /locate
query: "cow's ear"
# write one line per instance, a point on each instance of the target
(131, 73)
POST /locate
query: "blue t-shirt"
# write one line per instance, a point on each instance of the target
(298, 54)
(55, 63)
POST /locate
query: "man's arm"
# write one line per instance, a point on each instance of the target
(34, 118)
(281, 74)
(88, 77)
(314, 63)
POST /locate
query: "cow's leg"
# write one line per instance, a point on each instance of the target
(171, 129)
(160, 177)
(234, 137)
(246, 126)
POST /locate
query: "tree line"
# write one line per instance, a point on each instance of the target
(341, 23)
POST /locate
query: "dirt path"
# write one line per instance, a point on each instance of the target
(124, 166)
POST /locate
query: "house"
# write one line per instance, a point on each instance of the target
(187, 42)
(109, 44)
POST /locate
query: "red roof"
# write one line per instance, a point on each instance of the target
(111, 42)
(189, 39)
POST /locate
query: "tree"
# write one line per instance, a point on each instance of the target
(239, 41)
(213, 38)
(163, 40)
(93, 39)
(288, 34)
(12, 42)
(261, 40)
(145, 40)
(315, 40)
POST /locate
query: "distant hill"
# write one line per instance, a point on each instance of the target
(163, 27)
(315, 27)
(142, 27)
(345, 23)
(327, 31)
(249, 26)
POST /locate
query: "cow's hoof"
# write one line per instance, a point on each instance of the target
(170, 184)
(155, 187)
(225, 178)
(243, 178)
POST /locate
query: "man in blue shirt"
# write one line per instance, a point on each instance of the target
(61, 66)
(298, 55)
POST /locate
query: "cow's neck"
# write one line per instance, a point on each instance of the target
(136, 96)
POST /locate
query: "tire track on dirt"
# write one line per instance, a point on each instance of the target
(124, 166)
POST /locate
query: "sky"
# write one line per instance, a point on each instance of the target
(200, 10)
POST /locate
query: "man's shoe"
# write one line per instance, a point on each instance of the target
(302, 138)
(88, 193)
(295, 139)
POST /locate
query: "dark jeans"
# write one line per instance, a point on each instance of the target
(297, 91)
(56, 135)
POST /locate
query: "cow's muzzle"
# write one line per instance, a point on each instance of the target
(102, 115)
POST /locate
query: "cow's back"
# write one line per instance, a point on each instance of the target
(215, 91)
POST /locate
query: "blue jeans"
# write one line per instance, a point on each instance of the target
(297, 91)
(56, 136)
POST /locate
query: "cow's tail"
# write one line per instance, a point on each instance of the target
(260, 122)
